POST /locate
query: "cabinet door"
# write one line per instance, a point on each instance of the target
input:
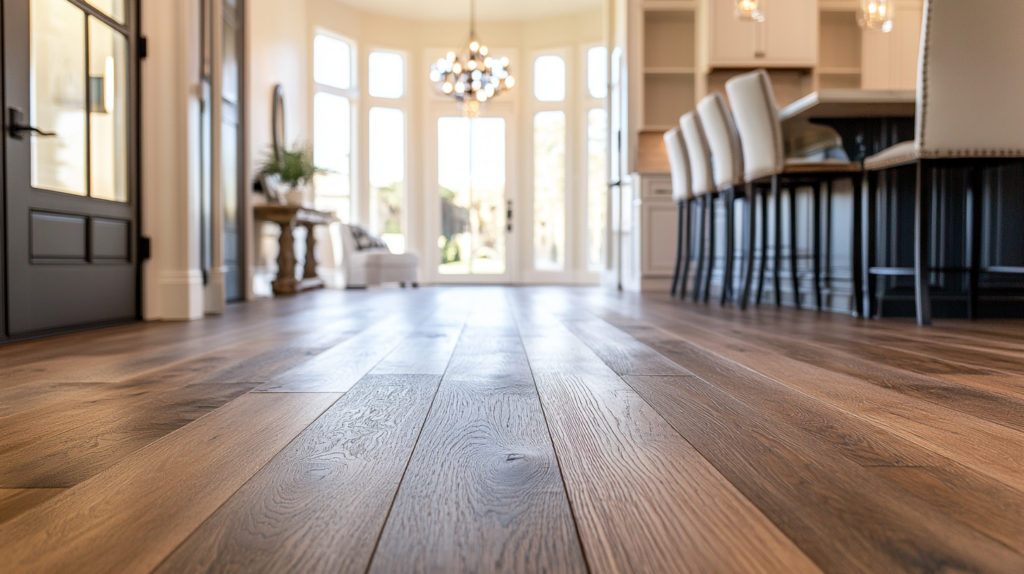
(733, 42)
(791, 33)
(889, 61)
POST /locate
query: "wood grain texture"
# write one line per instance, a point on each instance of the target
(482, 492)
(987, 447)
(644, 499)
(320, 504)
(14, 501)
(840, 514)
(73, 456)
(128, 518)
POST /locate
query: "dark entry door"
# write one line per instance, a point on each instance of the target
(71, 204)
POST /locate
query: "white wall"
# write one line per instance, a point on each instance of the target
(172, 281)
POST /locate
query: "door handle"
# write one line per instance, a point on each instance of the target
(16, 126)
(508, 216)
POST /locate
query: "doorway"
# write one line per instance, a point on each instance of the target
(70, 190)
(472, 216)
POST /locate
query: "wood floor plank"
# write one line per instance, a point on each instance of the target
(482, 492)
(14, 400)
(985, 505)
(338, 368)
(128, 518)
(34, 425)
(987, 447)
(14, 501)
(623, 354)
(320, 504)
(842, 516)
(425, 352)
(75, 455)
(643, 498)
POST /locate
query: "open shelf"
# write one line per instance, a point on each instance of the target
(669, 39)
(666, 97)
(670, 70)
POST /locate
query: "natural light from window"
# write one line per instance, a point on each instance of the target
(549, 191)
(597, 72)
(549, 79)
(387, 176)
(387, 75)
(332, 141)
(332, 62)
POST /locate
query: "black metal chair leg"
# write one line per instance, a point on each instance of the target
(701, 232)
(856, 244)
(922, 243)
(777, 247)
(748, 255)
(763, 263)
(679, 249)
(870, 236)
(977, 189)
(793, 269)
(816, 243)
(826, 276)
(730, 244)
(688, 245)
(711, 248)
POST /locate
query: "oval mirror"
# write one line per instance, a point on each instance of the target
(277, 122)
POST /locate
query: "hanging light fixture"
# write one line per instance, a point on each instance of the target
(749, 10)
(876, 14)
(474, 78)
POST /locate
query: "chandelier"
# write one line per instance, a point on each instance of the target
(749, 10)
(876, 14)
(475, 77)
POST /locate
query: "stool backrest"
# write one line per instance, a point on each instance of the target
(680, 164)
(757, 120)
(970, 79)
(701, 179)
(724, 140)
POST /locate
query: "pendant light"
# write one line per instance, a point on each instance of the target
(876, 14)
(749, 10)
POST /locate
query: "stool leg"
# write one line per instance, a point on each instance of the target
(748, 261)
(711, 248)
(793, 269)
(679, 249)
(816, 243)
(701, 229)
(922, 243)
(977, 186)
(763, 263)
(777, 247)
(730, 247)
(870, 236)
(688, 246)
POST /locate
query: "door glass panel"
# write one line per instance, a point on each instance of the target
(229, 64)
(332, 148)
(597, 186)
(108, 129)
(112, 8)
(57, 95)
(387, 176)
(549, 191)
(471, 182)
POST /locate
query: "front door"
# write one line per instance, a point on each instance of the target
(474, 217)
(71, 203)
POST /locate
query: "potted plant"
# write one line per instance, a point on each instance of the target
(292, 170)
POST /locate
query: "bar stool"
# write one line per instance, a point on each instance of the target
(727, 165)
(969, 86)
(683, 196)
(764, 163)
(703, 186)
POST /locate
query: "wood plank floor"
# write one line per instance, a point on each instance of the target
(494, 429)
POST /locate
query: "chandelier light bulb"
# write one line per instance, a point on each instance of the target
(876, 14)
(457, 68)
(451, 56)
(476, 85)
(471, 64)
(489, 90)
(482, 96)
(749, 10)
(483, 50)
(476, 74)
(435, 76)
(447, 87)
(460, 88)
(474, 46)
(510, 81)
(504, 62)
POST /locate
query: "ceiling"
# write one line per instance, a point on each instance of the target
(487, 10)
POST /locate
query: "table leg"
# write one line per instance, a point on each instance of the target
(285, 282)
(309, 268)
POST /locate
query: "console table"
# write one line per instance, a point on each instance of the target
(288, 217)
